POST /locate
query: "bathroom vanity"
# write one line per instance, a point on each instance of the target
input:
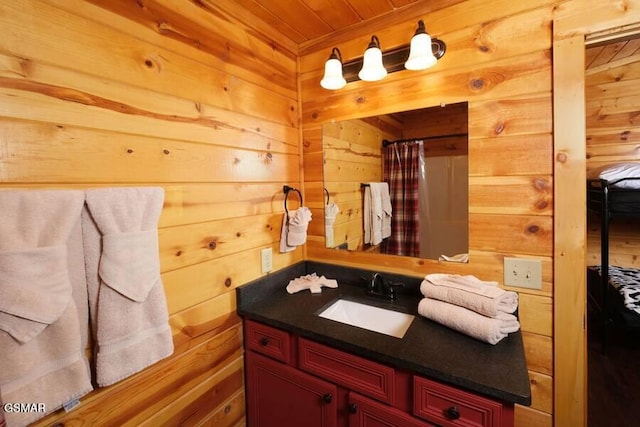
(302, 369)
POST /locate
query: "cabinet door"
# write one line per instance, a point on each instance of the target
(279, 395)
(365, 412)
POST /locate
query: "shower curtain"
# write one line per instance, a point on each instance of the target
(404, 167)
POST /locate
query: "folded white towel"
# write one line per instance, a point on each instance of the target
(454, 258)
(298, 224)
(311, 282)
(483, 328)
(470, 292)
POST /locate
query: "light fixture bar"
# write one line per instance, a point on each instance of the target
(376, 64)
(393, 59)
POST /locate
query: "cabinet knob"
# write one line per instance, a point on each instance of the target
(353, 408)
(327, 397)
(264, 341)
(452, 413)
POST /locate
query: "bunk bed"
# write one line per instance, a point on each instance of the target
(613, 192)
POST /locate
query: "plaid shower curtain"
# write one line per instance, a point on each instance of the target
(402, 172)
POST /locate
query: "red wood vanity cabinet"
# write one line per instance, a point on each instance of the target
(293, 381)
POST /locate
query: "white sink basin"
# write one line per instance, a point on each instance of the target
(368, 317)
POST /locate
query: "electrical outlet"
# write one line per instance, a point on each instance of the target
(523, 273)
(267, 261)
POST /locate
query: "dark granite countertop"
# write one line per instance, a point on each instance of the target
(427, 348)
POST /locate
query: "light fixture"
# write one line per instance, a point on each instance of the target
(372, 67)
(375, 64)
(421, 55)
(333, 78)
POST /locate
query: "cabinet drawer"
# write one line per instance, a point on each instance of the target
(353, 372)
(449, 406)
(269, 341)
(365, 412)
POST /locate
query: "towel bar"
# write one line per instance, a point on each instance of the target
(286, 189)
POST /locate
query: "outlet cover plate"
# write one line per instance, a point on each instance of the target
(523, 273)
(266, 256)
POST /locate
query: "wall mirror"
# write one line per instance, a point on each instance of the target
(422, 156)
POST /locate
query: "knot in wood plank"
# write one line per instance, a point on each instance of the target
(562, 157)
(541, 204)
(533, 229)
(540, 184)
(476, 84)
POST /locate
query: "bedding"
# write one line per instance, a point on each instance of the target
(614, 191)
(627, 282)
(619, 175)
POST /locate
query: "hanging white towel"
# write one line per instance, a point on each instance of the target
(42, 341)
(127, 302)
(284, 247)
(377, 212)
(387, 211)
(367, 214)
(294, 229)
(330, 213)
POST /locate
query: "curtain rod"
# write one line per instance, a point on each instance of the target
(386, 142)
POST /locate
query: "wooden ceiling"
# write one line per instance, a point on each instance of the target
(612, 54)
(304, 20)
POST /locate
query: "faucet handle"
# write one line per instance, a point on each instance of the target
(392, 288)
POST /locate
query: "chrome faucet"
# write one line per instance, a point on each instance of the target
(380, 287)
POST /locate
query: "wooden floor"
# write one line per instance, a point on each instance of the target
(614, 379)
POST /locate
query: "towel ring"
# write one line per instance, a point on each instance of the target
(327, 193)
(286, 189)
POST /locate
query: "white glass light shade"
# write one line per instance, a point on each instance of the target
(421, 53)
(372, 67)
(333, 78)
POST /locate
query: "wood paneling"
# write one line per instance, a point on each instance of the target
(499, 62)
(201, 98)
(351, 156)
(183, 95)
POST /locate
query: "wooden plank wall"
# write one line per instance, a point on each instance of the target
(612, 91)
(499, 60)
(182, 95)
(352, 155)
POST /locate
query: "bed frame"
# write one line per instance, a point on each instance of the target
(609, 202)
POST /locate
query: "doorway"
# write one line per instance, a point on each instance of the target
(612, 100)
(570, 358)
